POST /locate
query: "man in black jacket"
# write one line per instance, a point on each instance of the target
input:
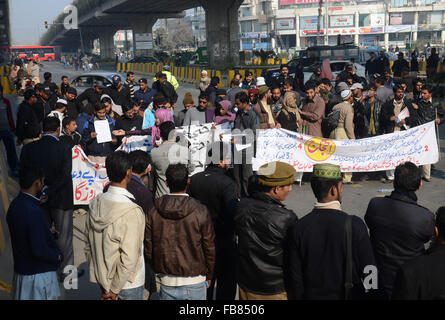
(69, 135)
(399, 65)
(390, 121)
(318, 251)
(74, 107)
(92, 95)
(422, 278)
(28, 128)
(262, 225)
(42, 107)
(215, 189)
(428, 111)
(117, 91)
(55, 160)
(246, 119)
(166, 88)
(398, 226)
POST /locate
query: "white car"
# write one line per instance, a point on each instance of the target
(337, 66)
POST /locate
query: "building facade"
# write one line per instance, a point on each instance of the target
(284, 24)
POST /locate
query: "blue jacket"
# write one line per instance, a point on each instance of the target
(90, 146)
(82, 121)
(145, 97)
(149, 118)
(33, 245)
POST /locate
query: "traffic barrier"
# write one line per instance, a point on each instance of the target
(118, 67)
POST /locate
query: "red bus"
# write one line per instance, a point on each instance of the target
(44, 53)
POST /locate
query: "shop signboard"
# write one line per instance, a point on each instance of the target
(338, 21)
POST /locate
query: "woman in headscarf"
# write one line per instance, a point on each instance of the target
(326, 70)
(224, 113)
(161, 115)
(289, 116)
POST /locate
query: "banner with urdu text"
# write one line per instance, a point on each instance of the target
(385, 152)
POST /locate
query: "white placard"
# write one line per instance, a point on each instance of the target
(102, 128)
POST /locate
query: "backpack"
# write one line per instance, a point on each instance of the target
(330, 123)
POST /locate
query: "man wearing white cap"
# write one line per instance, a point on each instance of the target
(345, 126)
(260, 81)
(59, 111)
(203, 82)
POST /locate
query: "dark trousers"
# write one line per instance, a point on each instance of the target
(8, 141)
(62, 220)
(225, 270)
(242, 173)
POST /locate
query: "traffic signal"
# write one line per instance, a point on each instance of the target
(46, 24)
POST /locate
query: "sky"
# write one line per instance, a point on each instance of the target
(27, 18)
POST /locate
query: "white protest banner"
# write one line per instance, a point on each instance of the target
(89, 178)
(385, 152)
(136, 143)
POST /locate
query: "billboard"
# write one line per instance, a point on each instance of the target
(285, 24)
(346, 20)
(308, 25)
(395, 19)
(378, 19)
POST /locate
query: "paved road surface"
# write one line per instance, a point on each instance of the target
(301, 200)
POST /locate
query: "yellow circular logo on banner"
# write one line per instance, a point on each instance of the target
(319, 149)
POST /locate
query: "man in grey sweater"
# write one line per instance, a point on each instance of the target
(200, 114)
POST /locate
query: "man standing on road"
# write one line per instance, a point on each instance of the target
(390, 120)
(145, 94)
(233, 91)
(399, 227)
(313, 111)
(115, 234)
(130, 83)
(371, 65)
(166, 88)
(422, 278)
(7, 129)
(201, 114)
(28, 128)
(428, 111)
(218, 192)
(54, 158)
(246, 119)
(74, 106)
(262, 225)
(63, 86)
(180, 240)
(169, 77)
(345, 127)
(118, 92)
(92, 95)
(325, 241)
(399, 65)
(35, 252)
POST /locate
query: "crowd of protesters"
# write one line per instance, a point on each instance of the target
(156, 229)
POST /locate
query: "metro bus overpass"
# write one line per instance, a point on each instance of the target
(100, 19)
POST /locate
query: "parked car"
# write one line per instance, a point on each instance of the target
(337, 66)
(87, 80)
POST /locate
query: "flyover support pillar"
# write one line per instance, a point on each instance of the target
(223, 43)
(143, 37)
(106, 40)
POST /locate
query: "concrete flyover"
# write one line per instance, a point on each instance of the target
(102, 18)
